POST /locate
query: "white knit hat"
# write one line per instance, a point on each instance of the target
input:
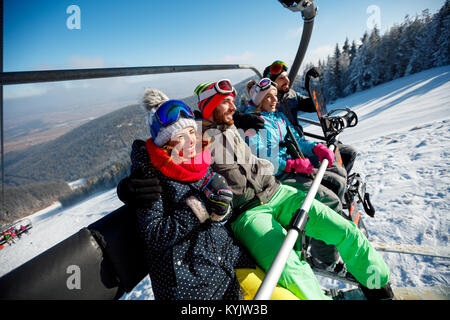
(254, 91)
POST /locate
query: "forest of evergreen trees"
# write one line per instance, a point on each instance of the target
(417, 44)
(97, 151)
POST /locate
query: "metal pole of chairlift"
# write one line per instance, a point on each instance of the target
(297, 227)
(300, 218)
(309, 11)
(1, 112)
(21, 77)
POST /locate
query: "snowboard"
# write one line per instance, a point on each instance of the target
(315, 92)
(400, 293)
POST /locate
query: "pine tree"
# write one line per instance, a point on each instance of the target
(353, 51)
(345, 66)
(442, 56)
(358, 75)
(373, 59)
(327, 81)
(421, 55)
(414, 45)
(337, 72)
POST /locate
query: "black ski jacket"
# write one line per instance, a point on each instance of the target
(187, 259)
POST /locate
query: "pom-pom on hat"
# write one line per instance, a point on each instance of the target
(152, 99)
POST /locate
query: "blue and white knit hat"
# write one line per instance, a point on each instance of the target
(152, 100)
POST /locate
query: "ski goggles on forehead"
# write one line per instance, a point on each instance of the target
(277, 67)
(223, 87)
(265, 84)
(169, 112)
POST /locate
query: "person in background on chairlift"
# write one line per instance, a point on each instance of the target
(296, 102)
(270, 144)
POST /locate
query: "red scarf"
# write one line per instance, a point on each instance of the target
(191, 170)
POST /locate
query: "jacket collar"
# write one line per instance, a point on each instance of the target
(206, 125)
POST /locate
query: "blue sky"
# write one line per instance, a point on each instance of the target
(139, 33)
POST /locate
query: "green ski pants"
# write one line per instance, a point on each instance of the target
(262, 231)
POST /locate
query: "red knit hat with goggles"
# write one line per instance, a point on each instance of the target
(211, 94)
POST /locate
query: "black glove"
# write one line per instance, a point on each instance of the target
(287, 2)
(198, 115)
(139, 191)
(313, 72)
(306, 104)
(216, 194)
(247, 121)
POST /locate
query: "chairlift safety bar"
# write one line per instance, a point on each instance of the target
(22, 77)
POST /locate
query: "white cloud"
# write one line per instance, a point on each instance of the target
(294, 33)
(322, 52)
(79, 62)
(245, 57)
(24, 91)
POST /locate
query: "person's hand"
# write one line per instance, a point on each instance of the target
(198, 115)
(313, 72)
(138, 190)
(217, 196)
(247, 121)
(323, 152)
(299, 166)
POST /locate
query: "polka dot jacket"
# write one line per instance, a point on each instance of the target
(187, 259)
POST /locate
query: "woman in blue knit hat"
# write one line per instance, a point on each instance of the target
(190, 252)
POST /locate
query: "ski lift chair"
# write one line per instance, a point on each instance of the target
(109, 259)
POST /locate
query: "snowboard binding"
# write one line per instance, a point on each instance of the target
(334, 125)
(356, 189)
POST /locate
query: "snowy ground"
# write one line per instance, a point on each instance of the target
(403, 139)
(54, 224)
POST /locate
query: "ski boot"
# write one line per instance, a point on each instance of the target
(384, 293)
(336, 270)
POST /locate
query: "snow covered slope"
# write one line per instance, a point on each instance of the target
(403, 143)
(403, 140)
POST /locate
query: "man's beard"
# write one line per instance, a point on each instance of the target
(284, 89)
(220, 117)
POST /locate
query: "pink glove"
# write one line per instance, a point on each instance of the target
(323, 152)
(299, 165)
